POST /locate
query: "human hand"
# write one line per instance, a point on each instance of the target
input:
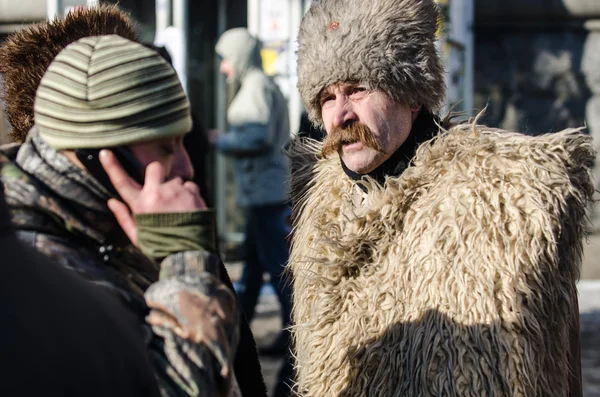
(156, 195)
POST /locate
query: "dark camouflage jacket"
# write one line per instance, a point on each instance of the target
(61, 210)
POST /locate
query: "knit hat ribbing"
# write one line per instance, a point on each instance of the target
(387, 44)
(107, 91)
(27, 53)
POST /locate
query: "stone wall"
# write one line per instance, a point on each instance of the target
(528, 63)
(530, 79)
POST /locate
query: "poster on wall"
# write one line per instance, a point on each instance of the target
(274, 32)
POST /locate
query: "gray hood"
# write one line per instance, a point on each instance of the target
(241, 49)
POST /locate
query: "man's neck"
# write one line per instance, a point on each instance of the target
(424, 128)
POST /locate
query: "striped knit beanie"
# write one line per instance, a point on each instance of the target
(107, 91)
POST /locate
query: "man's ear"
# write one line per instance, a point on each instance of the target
(415, 110)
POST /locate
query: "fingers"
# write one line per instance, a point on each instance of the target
(124, 218)
(177, 183)
(155, 175)
(194, 189)
(127, 188)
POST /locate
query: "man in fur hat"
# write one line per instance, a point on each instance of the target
(426, 267)
(91, 97)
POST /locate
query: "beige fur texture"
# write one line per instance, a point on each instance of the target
(457, 279)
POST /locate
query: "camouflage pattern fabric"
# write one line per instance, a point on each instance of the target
(189, 318)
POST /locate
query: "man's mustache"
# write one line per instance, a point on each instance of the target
(351, 133)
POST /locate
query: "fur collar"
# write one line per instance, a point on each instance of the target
(455, 278)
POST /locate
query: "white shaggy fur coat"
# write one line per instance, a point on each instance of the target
(456, 279)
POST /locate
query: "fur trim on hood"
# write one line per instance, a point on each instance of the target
(455, 279)
(387, 44)
(26, 55)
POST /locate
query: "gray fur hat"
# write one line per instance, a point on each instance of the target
(387, 44)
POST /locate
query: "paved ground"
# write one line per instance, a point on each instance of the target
(267, 324)
(589, 297)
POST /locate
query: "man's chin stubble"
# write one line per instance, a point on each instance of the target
(364, 167)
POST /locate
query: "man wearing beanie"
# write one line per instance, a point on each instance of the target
(426, 267)
(25, 57)
(154, 248)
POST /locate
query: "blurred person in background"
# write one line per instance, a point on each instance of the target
(258, 130)
(59, 205)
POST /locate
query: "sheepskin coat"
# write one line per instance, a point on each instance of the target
(456, 278)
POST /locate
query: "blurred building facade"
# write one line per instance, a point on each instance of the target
(530, 63)
(534, 64)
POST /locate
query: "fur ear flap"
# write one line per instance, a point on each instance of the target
(25, 56)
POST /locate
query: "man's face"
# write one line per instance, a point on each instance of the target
(169, 152)
(364, 126)
(226, 68)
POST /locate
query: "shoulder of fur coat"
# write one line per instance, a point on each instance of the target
(457, 278)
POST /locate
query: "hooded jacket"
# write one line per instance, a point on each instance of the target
(258, 124)
(455, 278)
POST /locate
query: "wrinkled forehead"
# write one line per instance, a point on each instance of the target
(346, 87)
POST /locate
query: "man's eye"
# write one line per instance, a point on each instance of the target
(327, 99)
(357, 90)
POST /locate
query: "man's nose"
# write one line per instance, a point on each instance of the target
(343, 113)
(183, 166)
